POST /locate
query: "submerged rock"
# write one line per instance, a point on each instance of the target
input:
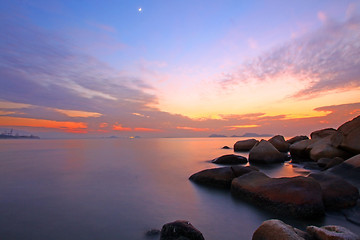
(279, 143)
(180, 229)
(245, 145)
(347, 136)
(296, 196)
(230, 159)
(275, 229)
(265, 152)
(327, 163)
(220, 177)
(331, 232)
(225, 147)
(336, 192)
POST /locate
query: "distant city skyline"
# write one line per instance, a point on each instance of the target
(178, 68)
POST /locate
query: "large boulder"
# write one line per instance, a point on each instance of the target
(323, 133)
(230, 159)
(296, 196)
(220, 177)
(296, 139)
(275, 229)
(322, 148)
(245, 145)
(265, 152)
(349, 170)
(299, 151)
(279, 143)
(336, 192)
(348, 136)
(180, 229)
(331, 232)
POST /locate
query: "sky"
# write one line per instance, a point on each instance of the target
(156, 68)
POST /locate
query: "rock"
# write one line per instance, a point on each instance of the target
(180, 229)
(220, 177)
(279, 143)
(265, 152)
(276, 230)
(331, 232)
(299, 151)
(322, 148)
(152, 232)
(230, 159)
(349, 170)
(245, 145)
(348, 136)
(336, 192)
(226, 147)
(322, 133)
(327, 163)
(352, 214)
(296, 139)
(296, 196)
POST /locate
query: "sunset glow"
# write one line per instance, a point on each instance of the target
(176, 70)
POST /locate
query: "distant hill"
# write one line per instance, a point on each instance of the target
(253, 135)
(217, 135)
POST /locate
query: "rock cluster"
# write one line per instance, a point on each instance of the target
(180, 230)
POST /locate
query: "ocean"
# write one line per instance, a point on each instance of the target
(116, 189)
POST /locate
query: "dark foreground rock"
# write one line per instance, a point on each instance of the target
(275, 229)
(180, 230)
(297, 196)
(336, 192)
(347, 136)
(331, 232)
(264, 152)
(230, 159)
(220, 177)
(279, 143)
(296, 139)
(245, 145)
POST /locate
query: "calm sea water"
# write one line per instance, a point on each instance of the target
(120, 188)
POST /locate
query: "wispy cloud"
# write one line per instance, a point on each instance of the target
(326, 59)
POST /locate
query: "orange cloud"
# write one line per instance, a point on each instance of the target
(194, 129)
(103, 125)
(146, 130)
(119, 127)
(76, 127)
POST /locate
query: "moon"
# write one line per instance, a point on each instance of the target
(140, 9)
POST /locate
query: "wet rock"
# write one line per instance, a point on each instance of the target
(279, 143)
(347, 136)
(245, 145)
(349, 170)
(230, 159)
(336, 192)
(296, 196)
(220, 177)
(322, 133)
(152, 232)
(180, 229)
(327, 163)
(296, 139)
(276, 230)
(264, 152)
(352, 214)
(331, 232)
(299, 151)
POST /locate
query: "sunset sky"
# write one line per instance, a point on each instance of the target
(178, 68)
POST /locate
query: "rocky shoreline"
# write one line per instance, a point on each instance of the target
(336, 188)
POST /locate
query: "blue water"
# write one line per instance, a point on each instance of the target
(120, 188)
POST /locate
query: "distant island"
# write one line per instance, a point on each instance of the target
(10, 135)
(217, 135)
(253, 135)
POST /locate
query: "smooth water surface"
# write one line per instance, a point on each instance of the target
(120, 188)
